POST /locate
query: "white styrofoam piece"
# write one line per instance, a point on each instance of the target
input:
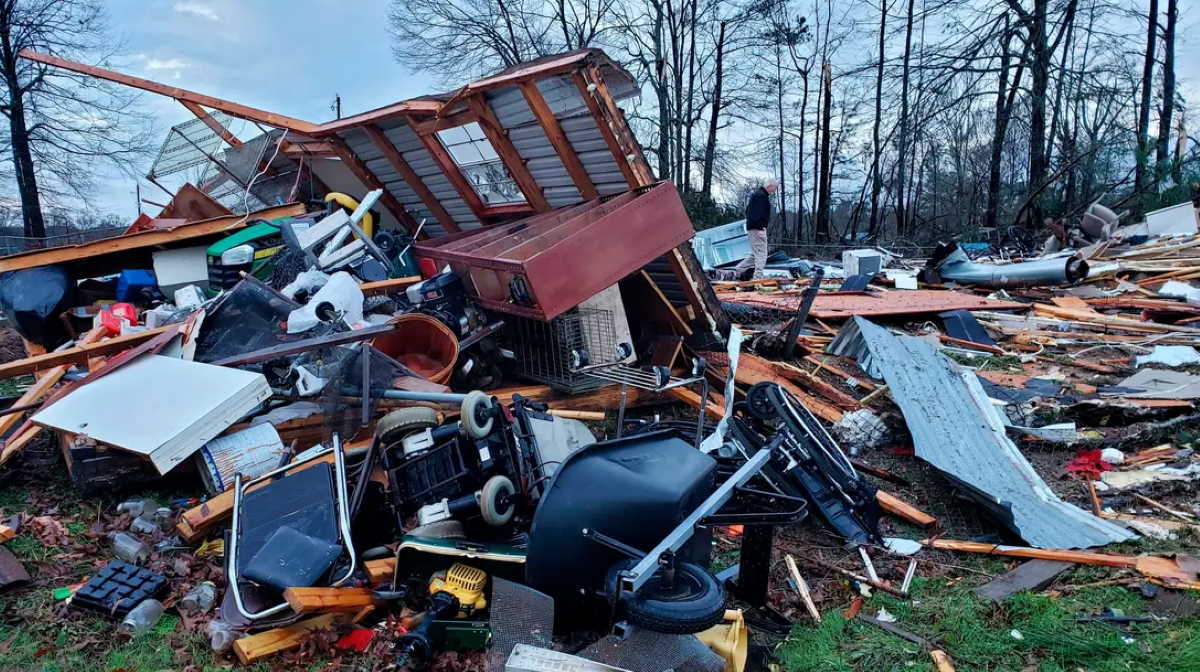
(180, 267)
(161, 407)
(1175, 220)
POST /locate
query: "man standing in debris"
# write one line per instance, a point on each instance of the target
(758, 214)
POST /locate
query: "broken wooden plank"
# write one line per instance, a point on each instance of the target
(1030, 575)
(74, 254)
(941, 661)
(89, 346)
(902, 509)
(692, 398)
(380, 570)
(1166, 570)
(391, 286)
(263, 644)
(1110, 321)
(802, 587)
(753, 369)
(320, 600)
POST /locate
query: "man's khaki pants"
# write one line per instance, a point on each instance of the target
(758, 253)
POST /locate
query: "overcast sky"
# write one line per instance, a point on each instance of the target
(286, 56)
(292, 56)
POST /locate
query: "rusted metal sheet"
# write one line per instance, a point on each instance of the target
(544, 265)
(841, 306)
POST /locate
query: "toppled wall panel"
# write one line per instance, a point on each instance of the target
(957, 429)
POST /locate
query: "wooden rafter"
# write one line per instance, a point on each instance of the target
(410, 176)
(512, 160)
(370, 181)
(216, 126)
(554, 132)
(612, 116)
(450, 169)
(226, 106)
(606, 131)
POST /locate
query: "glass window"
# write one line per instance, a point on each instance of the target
(481, 165)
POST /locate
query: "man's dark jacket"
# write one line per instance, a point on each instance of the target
(758, 212)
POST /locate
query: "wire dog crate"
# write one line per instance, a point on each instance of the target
(552, 352)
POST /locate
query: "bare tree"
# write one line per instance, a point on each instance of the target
(61, 124)
(1168, 92)
(1147, 95)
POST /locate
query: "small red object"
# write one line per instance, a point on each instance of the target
(357, 639)
(734, 530)
(427, 266)
(112, 317)
(1088, 463)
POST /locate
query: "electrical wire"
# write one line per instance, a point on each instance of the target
(266, 166)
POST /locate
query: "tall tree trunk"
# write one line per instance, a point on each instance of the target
(1040, 79)
(661, 90)
(1143, 129)
(782, 177)
(710, 145)
(800, 161)
(1168, 97)
(999, 130)
(826, 181)
(691, 103)
(876, 150)
(27, 189)
(902, 174)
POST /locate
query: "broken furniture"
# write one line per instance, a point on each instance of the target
(290, 531)
(181, 405)
(544, 265)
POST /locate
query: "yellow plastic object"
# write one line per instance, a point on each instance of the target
(348, 202)
(729, 640)
(463, 582)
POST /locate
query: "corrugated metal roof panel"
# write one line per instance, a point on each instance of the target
(957, 429)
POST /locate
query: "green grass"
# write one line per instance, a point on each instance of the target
(978, 635)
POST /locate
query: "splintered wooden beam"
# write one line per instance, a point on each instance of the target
(498, 136)
(371, 182)
(410, 177)
(318, 600)
(226, 106)
(753, 369)
(263, 644)
(562, 146)
(88, 348)
(606, 132)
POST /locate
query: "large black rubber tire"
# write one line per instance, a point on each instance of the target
(400, 423)
(694, 604)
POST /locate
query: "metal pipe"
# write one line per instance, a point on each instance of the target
(952, 264)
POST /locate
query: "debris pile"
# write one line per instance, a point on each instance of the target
(497, 438)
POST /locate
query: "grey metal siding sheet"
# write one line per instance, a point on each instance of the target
(531, 142)
(957, 429)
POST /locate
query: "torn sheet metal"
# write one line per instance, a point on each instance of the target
(950, 263)
(734, 349)
(957, 429)
(1170, 355)
(1158, 384)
